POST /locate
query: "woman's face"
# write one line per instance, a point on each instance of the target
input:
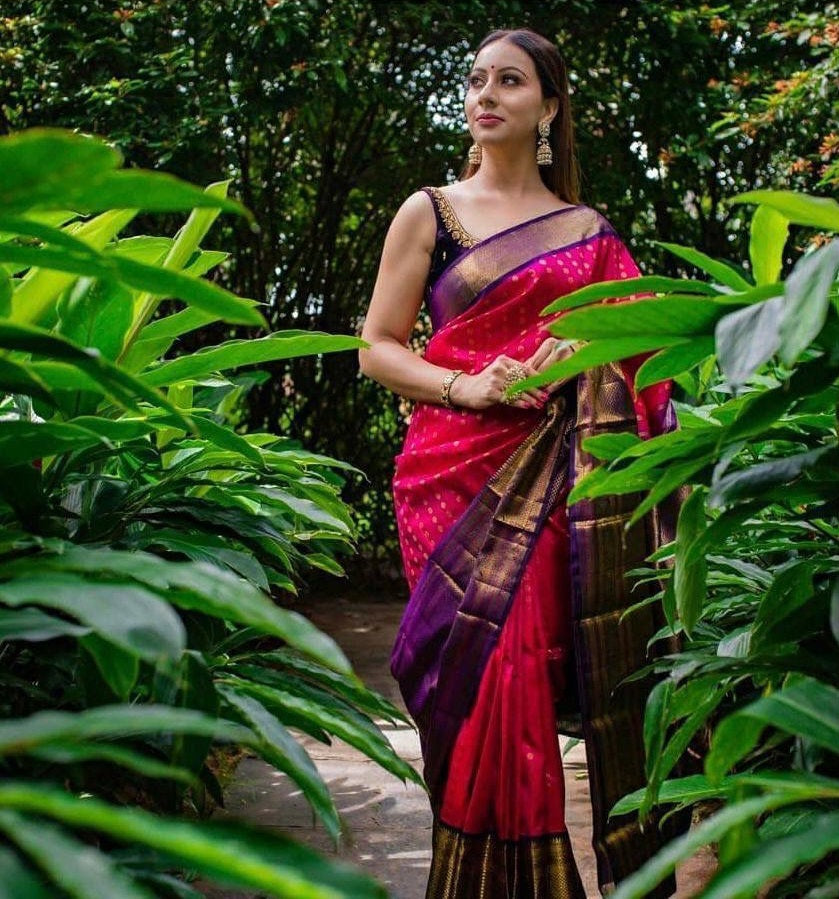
(504, 101)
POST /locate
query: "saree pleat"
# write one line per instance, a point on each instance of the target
(514, 598)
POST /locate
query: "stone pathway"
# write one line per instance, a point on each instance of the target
(389, 824)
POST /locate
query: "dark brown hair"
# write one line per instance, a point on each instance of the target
(563, 176)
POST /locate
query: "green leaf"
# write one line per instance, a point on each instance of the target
(672, 316)
(34, 625)
(733, 739)
(767, 237)
(238, 855)
(792, 588)
(656, 720)
(75, 753)
(23, 441)
(747, 338)
(277, 746)
(608, 447)
(80, 869)
(771, 859)
(799, 208)
(235, 353)
(39, 164)
(722, 271)
(625, 287)
(756, 479)
(121, 385)
(118, 667)
(42, 729)
(690, 572)
(205, 588)
(134, 618)
(807, 301)
(19, 882)
(672, 361)
(309, 706)
(17, 378)
(711, 830)
(807, 708)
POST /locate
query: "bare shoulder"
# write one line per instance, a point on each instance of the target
(414, 222)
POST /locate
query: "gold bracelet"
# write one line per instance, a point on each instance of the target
(446, 389)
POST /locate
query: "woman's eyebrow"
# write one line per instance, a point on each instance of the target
(480, 71)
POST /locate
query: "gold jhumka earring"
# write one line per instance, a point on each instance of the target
(544, 154)
(474, 155)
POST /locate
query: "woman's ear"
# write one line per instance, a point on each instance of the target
(550, 108)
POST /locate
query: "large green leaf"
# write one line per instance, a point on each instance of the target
(238, 855)
(807, 301)
(19, 881)
(767, 237)
(711, 830)
(799, 208)
(129, 615)
(199, 586)
(23, 441)
(672, 361)
(277, 746)
(771, 859)
(121, 385)
(59, 729)
(236, 353)
(807, 708)
(626, 287)
(35, 296)
(41, 165)
(747, 338)
(202, 294)
(79, 869)
(721, 271)
(757, 480)
(690, 572)
(672, 316)
(327, 713)
(34, 625)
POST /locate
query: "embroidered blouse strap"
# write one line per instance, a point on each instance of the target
(449, 218)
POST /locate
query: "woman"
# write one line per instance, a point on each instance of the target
(507, 584)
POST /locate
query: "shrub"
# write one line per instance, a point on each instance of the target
(141, 538)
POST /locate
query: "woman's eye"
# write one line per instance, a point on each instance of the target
(510, 79)
(474, 81)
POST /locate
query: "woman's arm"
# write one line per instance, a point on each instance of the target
(394, 307)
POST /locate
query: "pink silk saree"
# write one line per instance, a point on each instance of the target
(515, 598)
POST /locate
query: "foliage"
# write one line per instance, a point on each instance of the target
(140, 540)
(754, 586)
(327, 114)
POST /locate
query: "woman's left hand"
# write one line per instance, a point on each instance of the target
(549, 352)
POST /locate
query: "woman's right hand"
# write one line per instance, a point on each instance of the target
(488, 387)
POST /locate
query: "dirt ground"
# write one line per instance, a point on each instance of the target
(389, 824)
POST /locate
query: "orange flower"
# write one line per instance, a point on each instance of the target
(829, 145)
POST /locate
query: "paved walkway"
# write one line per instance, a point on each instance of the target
(389, 824)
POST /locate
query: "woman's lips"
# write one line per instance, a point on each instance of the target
(489, 119)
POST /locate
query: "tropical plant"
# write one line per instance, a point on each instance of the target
(754, 583)
(141, 538)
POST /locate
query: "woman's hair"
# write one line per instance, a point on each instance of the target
(562, 177)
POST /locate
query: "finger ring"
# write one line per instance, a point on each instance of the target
(516, 372)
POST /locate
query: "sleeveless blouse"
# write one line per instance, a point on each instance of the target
(452, 238)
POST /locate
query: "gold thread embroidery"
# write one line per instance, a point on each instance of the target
(451, 222)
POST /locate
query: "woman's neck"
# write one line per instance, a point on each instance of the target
(513, 175)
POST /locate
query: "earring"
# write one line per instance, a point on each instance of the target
(544, 154)
(474, 155)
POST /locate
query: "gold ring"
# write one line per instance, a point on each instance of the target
(517, 372)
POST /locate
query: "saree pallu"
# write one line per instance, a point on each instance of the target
(516, 599)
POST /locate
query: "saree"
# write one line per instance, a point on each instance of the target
(516, 599)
